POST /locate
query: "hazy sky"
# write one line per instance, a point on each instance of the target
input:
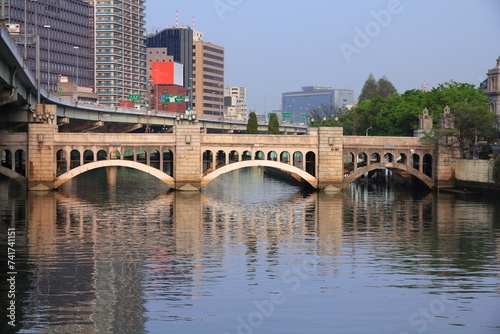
(276, 46)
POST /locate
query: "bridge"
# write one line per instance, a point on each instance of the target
(39, 149)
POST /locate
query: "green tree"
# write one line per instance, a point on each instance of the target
(369, 89)
(274, 125)
(252, 126)
(385, 87)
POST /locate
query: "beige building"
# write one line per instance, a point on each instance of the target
(208, 79)
(493, 90)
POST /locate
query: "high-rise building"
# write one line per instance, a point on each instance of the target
(297, 106)
(208, 79)
(120, 55)
(178, 42)
(203, 66)
(65, 37)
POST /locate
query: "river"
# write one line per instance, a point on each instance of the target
(114, 251)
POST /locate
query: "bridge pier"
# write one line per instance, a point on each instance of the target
(187, 158)
(330, 159)
(41, 162)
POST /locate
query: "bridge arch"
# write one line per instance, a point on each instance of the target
(389, 165)
(13, 175)
(260, 163)
(114, 163)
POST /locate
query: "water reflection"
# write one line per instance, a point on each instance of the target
(115, 252)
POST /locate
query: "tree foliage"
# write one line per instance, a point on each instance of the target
(274, 125)
(252, 125)
(372, 88)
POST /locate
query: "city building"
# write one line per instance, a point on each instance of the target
(235, 102)
(203, 66)
(208, 79)
(120, 55)
(493, 90)
(177, 42)
(297, 106)
(65, 37)
(167, 94)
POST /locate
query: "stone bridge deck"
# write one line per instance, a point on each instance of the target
(188, 159)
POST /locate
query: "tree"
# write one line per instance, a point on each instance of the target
(252, 126)
(369, 89)
(274, 125)
(385, 87)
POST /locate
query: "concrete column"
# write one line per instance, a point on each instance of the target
(187, 161)
(330, 158)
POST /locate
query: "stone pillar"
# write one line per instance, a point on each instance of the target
(41, 162)
(447, 152)
(187, 158)
(330, 158)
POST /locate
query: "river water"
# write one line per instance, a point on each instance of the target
(113, 251)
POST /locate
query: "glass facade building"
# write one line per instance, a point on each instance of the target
(65, 34)
(296, 106)
(179, 43)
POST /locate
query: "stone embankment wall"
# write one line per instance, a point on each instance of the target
(477, 173)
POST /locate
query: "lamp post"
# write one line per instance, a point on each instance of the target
(48, 27)
(77, 48)
(366, 132)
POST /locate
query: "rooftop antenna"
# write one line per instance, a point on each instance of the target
(176, 18)
(193, 22)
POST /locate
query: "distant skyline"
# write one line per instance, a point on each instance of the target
(277, 46)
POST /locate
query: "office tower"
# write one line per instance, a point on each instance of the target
(65, 37)
(208, 79)
(120, 55)
(178, 42)
(297, 106)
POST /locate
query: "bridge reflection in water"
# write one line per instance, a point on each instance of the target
(114, 252)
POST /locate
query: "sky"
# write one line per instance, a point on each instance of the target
(277, 46)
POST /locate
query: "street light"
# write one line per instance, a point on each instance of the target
(47, 26)
(77, 48)
(366, 132)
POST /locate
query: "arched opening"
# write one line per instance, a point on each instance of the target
(207, 161)
(168, 162)
(311, 163)
(233, 157)
(74, 159)
(220, 159)
(259, 155)
(402, 159)
(142, 157)
(247, 155)
(20, 159)
(7, 159)
(88, 157)
(427, 165)
(348, 163)
(374, 158)
(128, 155)
(298, 159)
(388, 157)
(61, 162)
(154, 159)
(114, 155)
(273, 156)
(362, 160)
(285, 157)
(416, 161)
(102, 155)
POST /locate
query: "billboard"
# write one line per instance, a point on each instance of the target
(166, 73)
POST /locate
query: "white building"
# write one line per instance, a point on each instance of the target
(235, 102)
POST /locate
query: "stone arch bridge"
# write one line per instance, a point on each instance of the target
(188, 158)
